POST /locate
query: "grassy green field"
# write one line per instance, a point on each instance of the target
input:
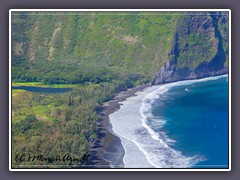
(53, 124)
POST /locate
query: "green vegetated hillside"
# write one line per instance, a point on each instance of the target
(65, 48)
(102, 53)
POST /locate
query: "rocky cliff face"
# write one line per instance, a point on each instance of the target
(199, 49)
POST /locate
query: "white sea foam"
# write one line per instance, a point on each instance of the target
(144, 147)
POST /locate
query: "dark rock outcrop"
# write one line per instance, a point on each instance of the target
(187, 57)
(169, 73)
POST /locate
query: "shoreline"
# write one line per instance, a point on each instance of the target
(107, 142)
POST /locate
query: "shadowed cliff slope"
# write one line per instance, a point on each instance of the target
(200, 49)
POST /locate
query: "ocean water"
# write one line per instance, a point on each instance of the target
(177, 125)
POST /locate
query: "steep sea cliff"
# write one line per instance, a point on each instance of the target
(206, 56)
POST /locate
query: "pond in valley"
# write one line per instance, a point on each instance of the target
(42, 89)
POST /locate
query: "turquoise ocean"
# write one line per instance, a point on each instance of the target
(177, 125)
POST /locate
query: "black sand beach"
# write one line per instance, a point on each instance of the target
(108, 145)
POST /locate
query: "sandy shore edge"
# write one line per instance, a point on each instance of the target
(107, 142)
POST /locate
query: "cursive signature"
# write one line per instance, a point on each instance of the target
(67, 157)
